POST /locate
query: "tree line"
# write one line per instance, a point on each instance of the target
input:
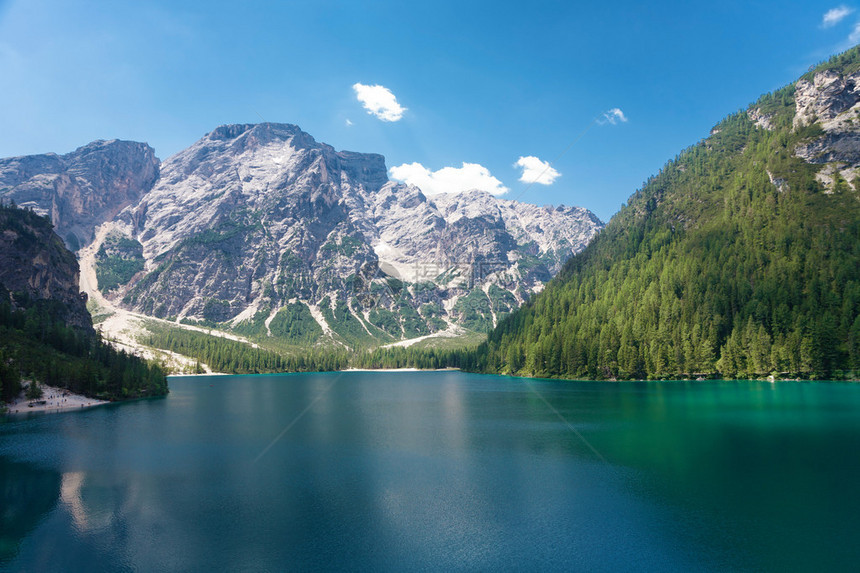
(734, 261)
(35, 346)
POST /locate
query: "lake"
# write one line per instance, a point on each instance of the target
(438, 471)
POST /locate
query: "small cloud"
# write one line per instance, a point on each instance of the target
(449, 179)
(348, 123)
(835, 15)
(536, 171)
(854, 37)
(613, 116)
(379, 101)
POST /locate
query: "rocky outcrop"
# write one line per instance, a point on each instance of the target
(762, 120)
(825, 98)
(82, 189)
(830, 101)
(36, 266)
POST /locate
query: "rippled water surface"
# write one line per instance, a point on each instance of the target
(438, 471)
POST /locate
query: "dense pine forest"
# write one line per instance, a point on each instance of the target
(234, 357)
(38, 344)
(733, 261)
(35, 346)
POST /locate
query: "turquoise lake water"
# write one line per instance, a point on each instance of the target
(438, 471)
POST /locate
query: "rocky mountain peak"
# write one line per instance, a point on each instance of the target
(471, 204)
(82, 189)
(255, 220)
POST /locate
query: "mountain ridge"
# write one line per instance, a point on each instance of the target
(256, 224)
(81, 189)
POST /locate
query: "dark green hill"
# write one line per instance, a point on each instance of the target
(741, 258)
(46, 333)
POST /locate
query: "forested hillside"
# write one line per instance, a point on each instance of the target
(46, 334)
(740, 258)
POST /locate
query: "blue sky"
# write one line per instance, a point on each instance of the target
(480, 83)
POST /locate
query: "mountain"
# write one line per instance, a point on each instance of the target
(263, 231)
(46, 333)
(741, 258)
(36, 268)
(82, 189)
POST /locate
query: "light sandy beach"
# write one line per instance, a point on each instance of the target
(52, 400)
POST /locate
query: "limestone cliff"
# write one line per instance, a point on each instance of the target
(36, 266)
(82, 189)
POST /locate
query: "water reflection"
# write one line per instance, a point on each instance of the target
(441, 471)
(27, 494)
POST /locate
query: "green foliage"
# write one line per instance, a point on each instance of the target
(216, 238)
(225, 355)
(34, 345)
(474, 311)
(386, 321)
(710, 270)
(10, 378)
(413, 324)
(463, 340)
(294, 277)
(432, 312)
(117, 261)
(343, 322)
(37, 345)
(531, 264)
(845, 64)
(502, 301)
(255, 326)
(215, 310)
(295, 323)
(398, 357)
(347, 246)
(34, 391)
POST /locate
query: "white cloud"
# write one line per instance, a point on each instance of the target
(613, 116)
(835, 15)
(449, 179)
(536, 171)
(348, 122)
(379, 101)
(855, 34)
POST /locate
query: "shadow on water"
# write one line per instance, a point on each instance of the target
(27, 494)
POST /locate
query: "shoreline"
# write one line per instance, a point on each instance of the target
(322, 371)
(55, 400)
(399, 370)
(210, 374)
(451, 369)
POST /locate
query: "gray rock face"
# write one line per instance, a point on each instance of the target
(252, 219)
(36, 266)
(762, 120)
(831, 101)
(82, 189)
(842, 147)
(826, 97)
